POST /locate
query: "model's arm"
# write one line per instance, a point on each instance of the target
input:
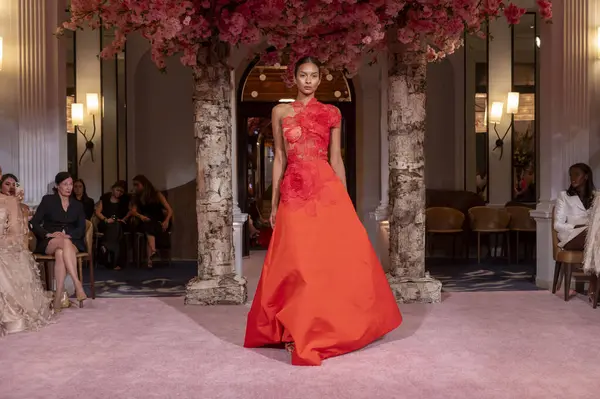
(335, 149)
(560, 215)
(168, 210)
(15, 229)
(38, 218)
(280, 160)
(98, 212)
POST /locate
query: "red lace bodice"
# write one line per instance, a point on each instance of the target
(307, 134)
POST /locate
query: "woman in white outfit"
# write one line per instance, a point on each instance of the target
(573, 209)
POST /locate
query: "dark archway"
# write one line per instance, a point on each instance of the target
(260, 89)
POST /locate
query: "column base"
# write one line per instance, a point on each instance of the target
(222, 290)
(416, 290)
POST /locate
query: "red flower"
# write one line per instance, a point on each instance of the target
(299, 182)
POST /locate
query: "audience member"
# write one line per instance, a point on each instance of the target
(80, 194)
(113, 213)
(59, 224)
(154, 212)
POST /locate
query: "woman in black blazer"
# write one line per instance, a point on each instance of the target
(59, 224)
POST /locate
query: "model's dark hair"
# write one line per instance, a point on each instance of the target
(589, 188)
(306, 60)
(84, 195)
(8, 176)
(149, 194)
(122, 184)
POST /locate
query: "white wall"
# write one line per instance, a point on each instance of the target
(32, 94)
(440, 133)
(164, 131)
(87, 66)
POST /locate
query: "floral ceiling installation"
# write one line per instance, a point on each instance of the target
(338, 32)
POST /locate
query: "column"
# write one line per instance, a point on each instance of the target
(41, 97)
(381, 213)
(568, 86)
(9, 82)
(239, 218)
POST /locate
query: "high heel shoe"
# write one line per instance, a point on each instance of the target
(65, 302)
(80, 298)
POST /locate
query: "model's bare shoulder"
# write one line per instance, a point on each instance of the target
(282, 110)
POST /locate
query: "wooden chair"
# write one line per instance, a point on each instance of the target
(443, 221)
(521, 222)
(47, 260)
(567, 264)
(490, 221)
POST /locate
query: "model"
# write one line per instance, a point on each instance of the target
(322, 291)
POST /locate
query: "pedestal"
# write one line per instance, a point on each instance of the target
(416, 290)
(239, 219)
(544, 259)
(223, 290)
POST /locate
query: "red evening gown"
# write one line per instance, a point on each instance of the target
(322, 286)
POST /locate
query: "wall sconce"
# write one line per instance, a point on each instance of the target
(496, 112)
(512, 106)
(1, 52)
(512, 103)
(77, 114)
(92, 103)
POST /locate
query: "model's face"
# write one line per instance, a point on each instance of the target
(308, 78)
(9, 187)
(137, 186)
(78, 188)
(65, 188)
(578, 177)
(117, 192)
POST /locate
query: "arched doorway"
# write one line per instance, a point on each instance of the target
(261, 88)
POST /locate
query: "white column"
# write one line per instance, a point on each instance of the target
(239, 218)
(381, 213)
(568, 86)
(9, 82)
(42, 97)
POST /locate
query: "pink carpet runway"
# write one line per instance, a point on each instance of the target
(473, 345)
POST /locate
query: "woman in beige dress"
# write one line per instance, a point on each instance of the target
(24, 305)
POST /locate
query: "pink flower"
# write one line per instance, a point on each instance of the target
(545, 7)
(513, 14)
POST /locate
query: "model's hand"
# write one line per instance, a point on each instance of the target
(144, 218)
(272, 218)
(54, 235)
(109, 220)
(20, 195)
(165, 225)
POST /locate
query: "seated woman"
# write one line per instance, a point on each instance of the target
(59, 224)
(154, 213)
(24, 305)
(80, 194)
(572, 210)
(9, 185)
(113, 212)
